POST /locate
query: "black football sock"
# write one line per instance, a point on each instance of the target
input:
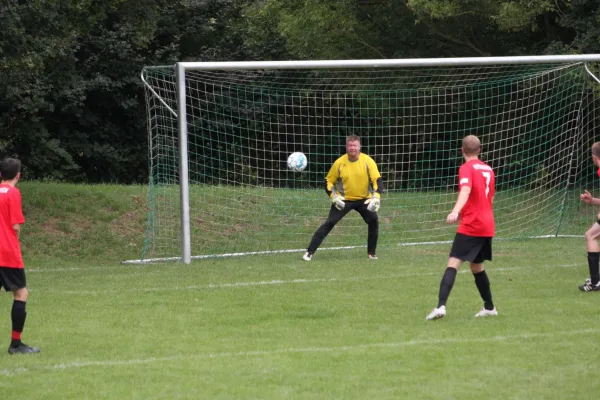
(593, 259)
(446, 285)
(483, 284)
(18, 315)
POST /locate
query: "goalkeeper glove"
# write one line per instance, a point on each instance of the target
(338, 201)
(374, 202)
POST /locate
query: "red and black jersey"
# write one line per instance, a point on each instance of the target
(477, 216)
(10, 214)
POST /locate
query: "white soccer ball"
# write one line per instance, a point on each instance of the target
(297, 161)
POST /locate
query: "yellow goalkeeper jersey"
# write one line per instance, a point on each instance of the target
(355, 180)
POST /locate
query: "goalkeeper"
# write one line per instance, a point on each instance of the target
(353, 183)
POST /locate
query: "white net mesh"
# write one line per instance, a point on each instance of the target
(536, 124)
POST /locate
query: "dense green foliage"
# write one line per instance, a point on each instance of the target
(72, 104)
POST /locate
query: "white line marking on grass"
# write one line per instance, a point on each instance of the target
(234, 285)
(68, 269)
(292, 350)
(13, 372)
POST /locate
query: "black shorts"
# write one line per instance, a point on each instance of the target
(471, 248)
(12, 278)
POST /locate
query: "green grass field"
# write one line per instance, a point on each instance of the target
(275, 326)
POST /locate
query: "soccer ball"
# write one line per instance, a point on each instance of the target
(297, 161)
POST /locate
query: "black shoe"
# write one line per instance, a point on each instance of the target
(23, 349)
(588, 287)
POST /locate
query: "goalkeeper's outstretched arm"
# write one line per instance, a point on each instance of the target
(374, 202)
(379, 186)
(328, 188)
(330, 180)
(336, 199)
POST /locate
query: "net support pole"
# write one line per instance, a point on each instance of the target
(184, 182)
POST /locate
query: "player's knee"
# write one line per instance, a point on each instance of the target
(371, 219)
(21, 294)
(591, 235)
(373, 223)
(476, 267)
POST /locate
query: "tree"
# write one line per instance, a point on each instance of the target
(516, 27)
(582, 18)
(71, 100)
(313, 29)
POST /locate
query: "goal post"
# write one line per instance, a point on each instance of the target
(220, 134)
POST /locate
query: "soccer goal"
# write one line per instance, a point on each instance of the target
(220, 134)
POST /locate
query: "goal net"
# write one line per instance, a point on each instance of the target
(536, 122)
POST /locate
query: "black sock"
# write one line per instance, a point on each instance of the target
(483, 284)
(18, 315)
(446, 285)
(593, 259)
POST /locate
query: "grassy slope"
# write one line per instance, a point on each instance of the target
(74, 224)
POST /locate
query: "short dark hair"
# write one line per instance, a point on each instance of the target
(9, 168)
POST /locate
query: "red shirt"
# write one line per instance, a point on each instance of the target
(477, 216)
(10, 214)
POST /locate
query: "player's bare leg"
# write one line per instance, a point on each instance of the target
(592, 284)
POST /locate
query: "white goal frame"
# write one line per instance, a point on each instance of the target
(181, 68)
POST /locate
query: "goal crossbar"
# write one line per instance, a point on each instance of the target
(394, 63)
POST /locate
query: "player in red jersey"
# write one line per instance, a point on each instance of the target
(12, 273)
(473, 240)
(592, 284)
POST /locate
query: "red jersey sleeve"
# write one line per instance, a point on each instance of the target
(465, 176)
(16, 208)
